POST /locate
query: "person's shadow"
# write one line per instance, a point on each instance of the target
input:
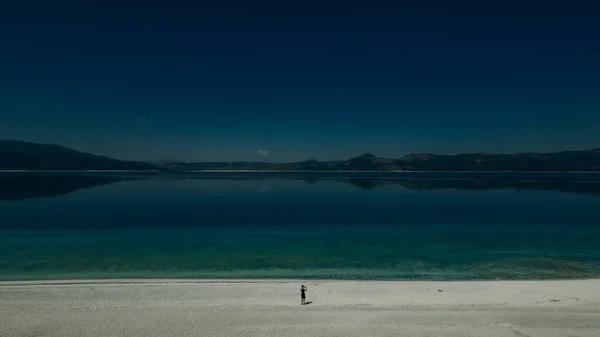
(307, 303)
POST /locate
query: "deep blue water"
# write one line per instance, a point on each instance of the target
(319, 225)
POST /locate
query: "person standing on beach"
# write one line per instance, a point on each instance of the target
(303, 295)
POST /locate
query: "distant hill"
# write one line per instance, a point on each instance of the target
(588, 160)
(167, 161)
(309, 165)
(367, 162)
(19, 155)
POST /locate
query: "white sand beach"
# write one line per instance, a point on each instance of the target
(272, 308)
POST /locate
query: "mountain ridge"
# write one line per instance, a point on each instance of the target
(21, 155)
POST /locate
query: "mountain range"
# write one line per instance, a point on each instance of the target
(20, 155)
(587, 160)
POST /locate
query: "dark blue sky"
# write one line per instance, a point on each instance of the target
(292, 80)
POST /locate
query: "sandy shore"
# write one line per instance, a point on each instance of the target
(271, 308)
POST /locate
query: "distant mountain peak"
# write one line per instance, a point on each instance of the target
(20, 155)
(19, 145)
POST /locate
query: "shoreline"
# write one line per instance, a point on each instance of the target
(44, 282)
(268, 308)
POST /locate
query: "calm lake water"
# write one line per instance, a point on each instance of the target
(300, 225)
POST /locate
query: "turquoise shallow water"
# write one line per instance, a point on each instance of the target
(292, 226)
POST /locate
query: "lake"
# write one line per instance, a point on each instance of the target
(432, 226)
